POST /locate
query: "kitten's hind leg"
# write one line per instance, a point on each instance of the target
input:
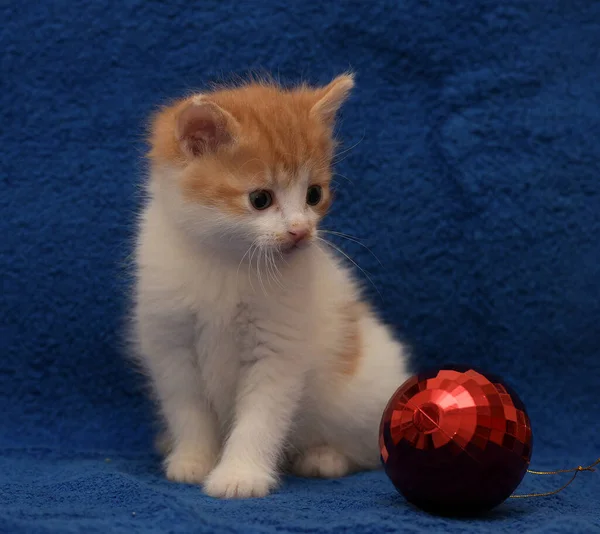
(163, 443)
(322, 462)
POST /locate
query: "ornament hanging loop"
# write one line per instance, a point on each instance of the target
(575, 472)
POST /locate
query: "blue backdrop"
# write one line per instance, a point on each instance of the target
(475, 179)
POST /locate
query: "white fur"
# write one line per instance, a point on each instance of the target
(242, 359)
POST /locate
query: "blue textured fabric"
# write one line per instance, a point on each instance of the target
(475, 179)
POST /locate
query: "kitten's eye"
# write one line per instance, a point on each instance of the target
(261, 199)
(314, 195)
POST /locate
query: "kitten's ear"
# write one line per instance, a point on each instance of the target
(203, 127)
(331, 98)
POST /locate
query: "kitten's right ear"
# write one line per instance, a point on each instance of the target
(202, 127)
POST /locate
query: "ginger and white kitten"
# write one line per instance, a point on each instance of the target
(261, 351)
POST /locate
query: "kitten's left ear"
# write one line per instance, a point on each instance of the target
(331, 98)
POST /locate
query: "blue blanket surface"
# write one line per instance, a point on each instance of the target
(475, 179)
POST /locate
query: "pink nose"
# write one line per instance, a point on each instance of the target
(298, 234)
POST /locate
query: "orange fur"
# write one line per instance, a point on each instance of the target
(351, 354)
(277, 133)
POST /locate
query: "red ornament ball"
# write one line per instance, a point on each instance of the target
(455, 441)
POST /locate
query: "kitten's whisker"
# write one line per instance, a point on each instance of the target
(260, 251)
(271, 277)
(355, 240)
(324, 167)
(250, 161)
(270, 273)
(237, 274)
(353, 262)
(336, 161)
(265, 263)
(268, 268)
(254, 179)
(277, 272)
(254, 248)
(282, 257)
(342, 176)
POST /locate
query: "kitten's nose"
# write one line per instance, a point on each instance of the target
(298, 233)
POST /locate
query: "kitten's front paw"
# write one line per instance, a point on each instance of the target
(188, 468)
(232, 481)
(323, 462)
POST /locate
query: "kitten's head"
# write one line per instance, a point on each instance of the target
(249, 165)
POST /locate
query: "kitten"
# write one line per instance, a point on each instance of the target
(261, 351)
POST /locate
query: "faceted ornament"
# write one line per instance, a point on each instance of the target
(455, 441)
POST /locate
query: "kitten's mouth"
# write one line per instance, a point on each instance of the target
(290, 248)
